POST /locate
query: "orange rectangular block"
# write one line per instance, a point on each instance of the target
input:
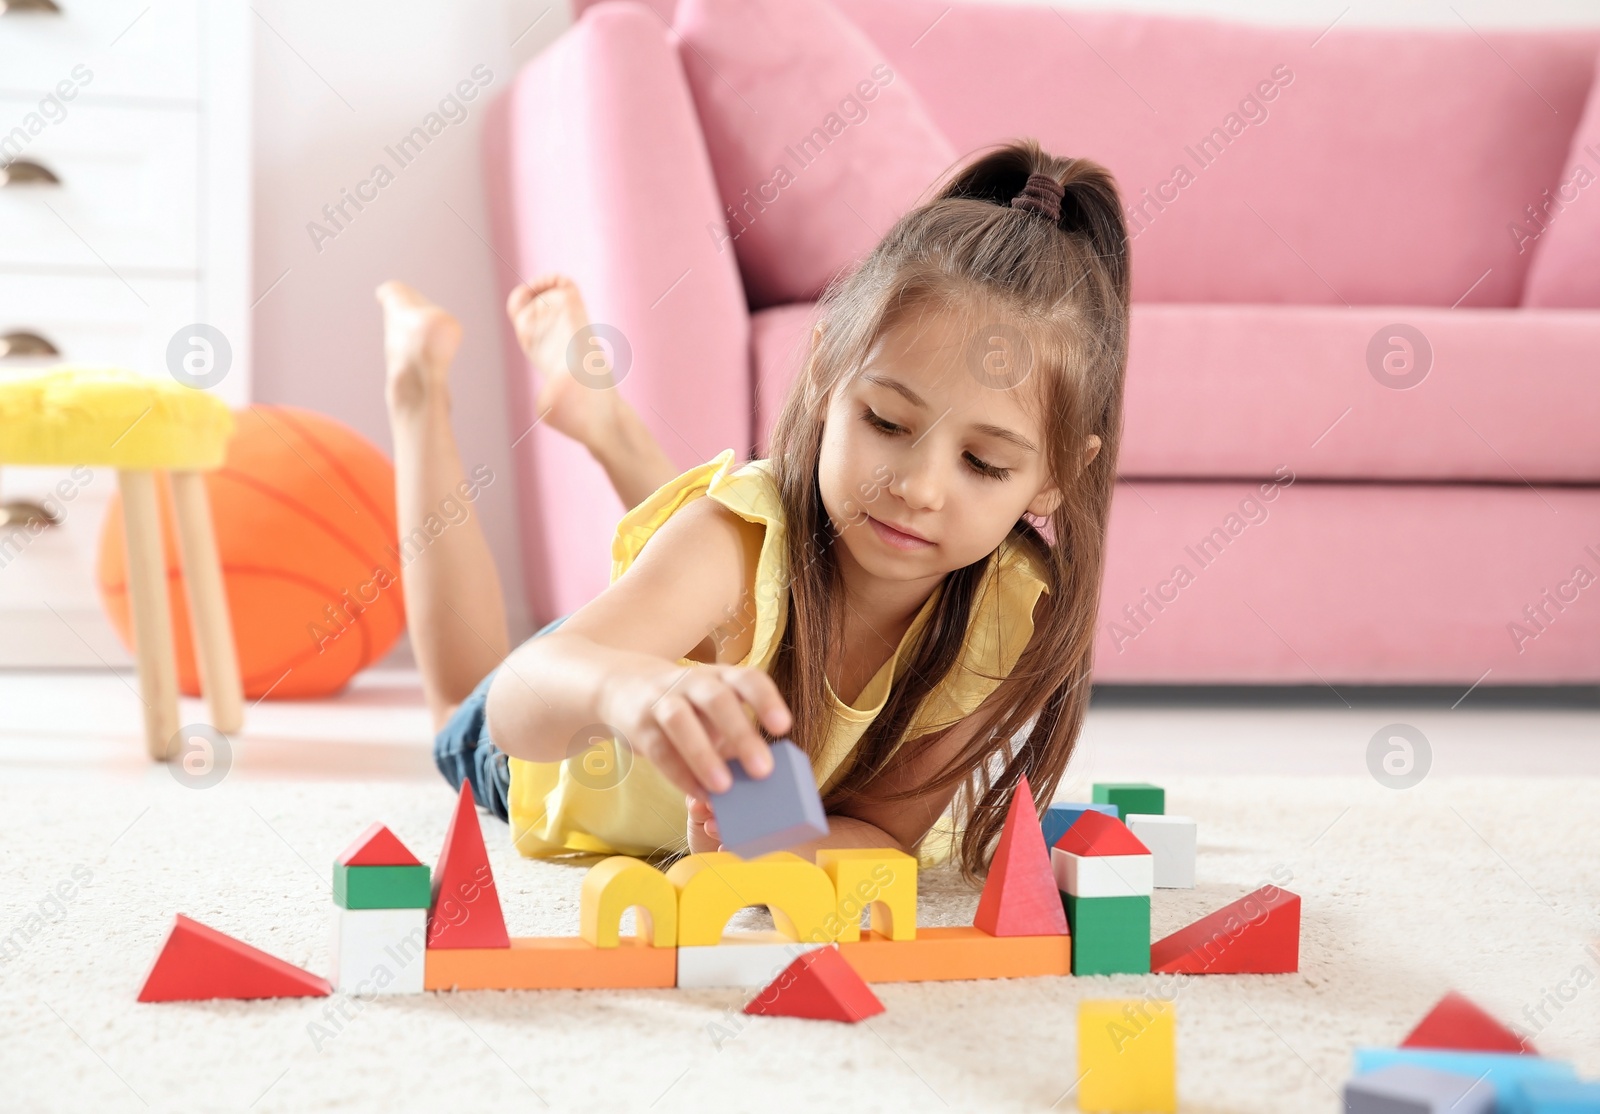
(959, 952)
(550, 963)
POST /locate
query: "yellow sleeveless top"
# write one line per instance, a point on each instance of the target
(621, 804)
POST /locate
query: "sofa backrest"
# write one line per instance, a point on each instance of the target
(1340, 165)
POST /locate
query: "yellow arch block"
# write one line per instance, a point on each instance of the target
(612, 886)
(714, 885)
(880, 877)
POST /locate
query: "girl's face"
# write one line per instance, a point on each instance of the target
(927, 462)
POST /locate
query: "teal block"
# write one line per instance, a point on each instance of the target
(1110, 935)
(1555, 1096)
(1502, 1070)
(1131, 796)
(382, 887)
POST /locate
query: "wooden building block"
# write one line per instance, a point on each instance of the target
(741, 959)
(1172, 840)
(377, 846)
(1111, 934)
(1257, 935)
(1127, 1056)
(1458, 1022)
(466, 906)
(714, 885)
(1019, 894)
(1503, 1071)
(618, 883)
(960, 952)
(382, 887)
(759, 815)
(198, 962)
(1095, 833)
(1555, 1096)
(1103, 875)
(1412, 1089)
(882, 879)
(550, 963)
(1130, 796)
(1062, 815)
(820, 985)
(378, 951)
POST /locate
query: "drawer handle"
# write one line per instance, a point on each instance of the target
(45, 7)
(22, 513)
(25, 172)
(22, 345)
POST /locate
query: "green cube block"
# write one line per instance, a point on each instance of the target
(1131, 796)
(382, 887)
(1110, 935)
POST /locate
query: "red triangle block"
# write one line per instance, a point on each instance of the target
(1458, 1023)
(1019, 895)
(377, 846)
(1095, 833)
(1257, 935)
(198, 962)
(466, 905)
(820, 984)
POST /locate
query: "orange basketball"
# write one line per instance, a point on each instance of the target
(305, 522)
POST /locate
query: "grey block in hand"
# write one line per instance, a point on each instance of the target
(1409, 1089)
(758, 815)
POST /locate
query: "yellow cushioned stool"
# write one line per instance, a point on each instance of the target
(141, 426)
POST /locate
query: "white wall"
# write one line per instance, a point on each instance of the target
(337, 82)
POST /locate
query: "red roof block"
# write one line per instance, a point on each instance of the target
(466, 906)
(1257, 935)
(198, 962)
(1095, 833)
(377, 846)
(1458, 1023)
(821, 985)
(1019, 895)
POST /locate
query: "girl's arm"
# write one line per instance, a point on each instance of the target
(615, 662)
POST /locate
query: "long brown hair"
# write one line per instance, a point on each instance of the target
(1065, 285)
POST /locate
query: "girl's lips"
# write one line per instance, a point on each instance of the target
(894, 537)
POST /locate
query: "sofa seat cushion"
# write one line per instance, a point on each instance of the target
(1377, 393)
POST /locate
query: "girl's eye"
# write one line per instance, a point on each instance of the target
(983, 468)
(881, 424)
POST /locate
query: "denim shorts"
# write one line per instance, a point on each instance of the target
(463, 750)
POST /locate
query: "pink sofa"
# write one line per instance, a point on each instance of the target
(1362, 436)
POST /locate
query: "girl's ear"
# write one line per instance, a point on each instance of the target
(1049, 498)
(816, 336)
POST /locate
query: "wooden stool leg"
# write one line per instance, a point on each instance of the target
(214, 649)
(152, 620)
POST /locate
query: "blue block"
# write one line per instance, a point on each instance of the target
(1502, 1070)
(1411, 1089)
(758, 815)
(1555, 1096)
(1058, 818)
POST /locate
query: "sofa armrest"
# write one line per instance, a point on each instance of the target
(596, 168)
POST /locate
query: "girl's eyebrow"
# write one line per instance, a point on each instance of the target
(915, 399)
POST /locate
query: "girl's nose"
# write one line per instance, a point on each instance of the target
(919, 483)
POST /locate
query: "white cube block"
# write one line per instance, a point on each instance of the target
(379, 951)
(1102, 875)
(742, 959)
(1171, 840)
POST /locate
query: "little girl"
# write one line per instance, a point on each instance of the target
(907, 586)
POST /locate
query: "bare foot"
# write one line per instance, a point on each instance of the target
(546, 314)
(419, 341)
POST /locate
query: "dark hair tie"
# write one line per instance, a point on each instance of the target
(1041, 195)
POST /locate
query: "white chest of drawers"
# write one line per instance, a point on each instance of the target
(124, 220)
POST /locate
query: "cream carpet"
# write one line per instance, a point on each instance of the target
(1489, 886)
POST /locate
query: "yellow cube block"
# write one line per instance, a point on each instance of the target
(1127, 1056)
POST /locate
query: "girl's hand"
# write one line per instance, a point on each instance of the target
(703, 834)
(689, 719)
